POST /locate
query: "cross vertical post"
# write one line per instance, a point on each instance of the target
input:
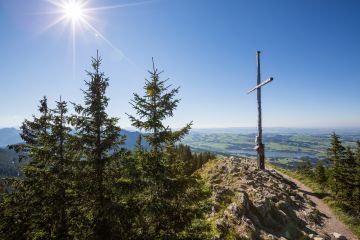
(260, 147)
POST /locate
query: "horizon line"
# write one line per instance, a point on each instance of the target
(244, 127)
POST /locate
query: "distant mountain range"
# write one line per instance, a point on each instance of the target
(9, 136)
(12, 136)
(9, 164)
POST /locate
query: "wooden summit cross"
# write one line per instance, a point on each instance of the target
(260, 147)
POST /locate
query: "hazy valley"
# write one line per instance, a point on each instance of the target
(284, 146)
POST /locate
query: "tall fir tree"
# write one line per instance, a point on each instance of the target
(99, 141)
(60, 155)
(336, 154)
(38, 198)
(346, 174)
(355, 199)
(28, 194)
(175, 204)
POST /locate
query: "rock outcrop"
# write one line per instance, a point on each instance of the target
(258, 204)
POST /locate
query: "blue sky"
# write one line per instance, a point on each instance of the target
(207, 47)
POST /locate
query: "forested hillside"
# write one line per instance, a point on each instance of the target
(81, 182)
(9, 164)
(10, 136)
(9, 160)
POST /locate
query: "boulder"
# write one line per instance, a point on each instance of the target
(222, 225)
(280, 216)
(264, 208)
(255, 220)
(214, 209)
(222, 167)
(244, 200)
(233, 211)
(234, 169)
(222, 192)
(271, 196)
(215, 179)
(282, 205)
(337, 236)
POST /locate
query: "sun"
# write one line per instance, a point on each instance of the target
(73, 10)
(77, 16)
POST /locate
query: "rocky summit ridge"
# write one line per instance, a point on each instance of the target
(248, 203)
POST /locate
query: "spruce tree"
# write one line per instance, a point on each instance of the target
(320, 174)
(174, 204)
(305, 168)
(33, 199)
(355, 199)
(185, 155)
(346, 175)
(336, 154)
(60, 169)
(99, 142)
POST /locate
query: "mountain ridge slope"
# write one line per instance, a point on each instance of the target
(253, 204)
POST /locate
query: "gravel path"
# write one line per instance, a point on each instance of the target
(332, 223)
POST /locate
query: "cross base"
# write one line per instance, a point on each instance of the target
(260, 149)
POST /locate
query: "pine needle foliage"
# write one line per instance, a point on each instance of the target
(37, 202)
(99, 141)
(174, 203)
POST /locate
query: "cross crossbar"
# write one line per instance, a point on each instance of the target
(260, 85)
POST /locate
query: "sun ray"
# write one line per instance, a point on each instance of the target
(74, 48)
(117, 6)
(79, 15)
(104, 39)
(56, 3)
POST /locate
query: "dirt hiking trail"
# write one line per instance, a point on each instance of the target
(332, 223)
